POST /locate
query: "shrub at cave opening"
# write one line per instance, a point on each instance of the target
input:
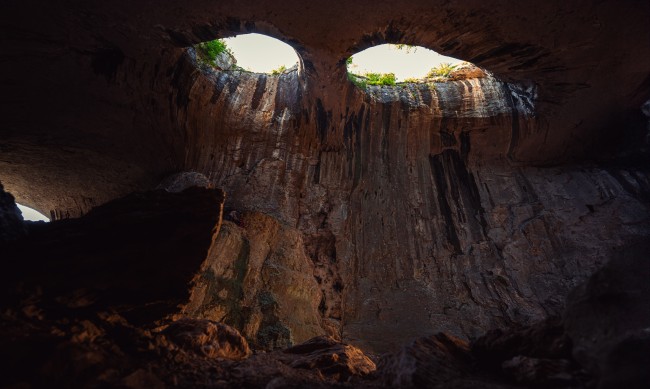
(211, 49)
(380, 78)
(255, 53)
(443, 70)
(403, 64)
(363, 80)
(279, 70)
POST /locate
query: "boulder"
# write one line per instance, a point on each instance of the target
(207, 338)
(332, 358)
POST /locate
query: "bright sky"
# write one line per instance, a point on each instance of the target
(414, 62)
(260, 53)
(31, 214)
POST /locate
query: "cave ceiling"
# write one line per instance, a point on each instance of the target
(88, 112)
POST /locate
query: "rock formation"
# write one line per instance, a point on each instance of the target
(119, 315)
(369, 220)
(11, 220)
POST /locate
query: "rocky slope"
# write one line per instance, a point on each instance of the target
(68, 327)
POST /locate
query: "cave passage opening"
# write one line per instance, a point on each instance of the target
(30, 214)
(255, 53)
(388, 64)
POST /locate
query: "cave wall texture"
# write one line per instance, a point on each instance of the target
(379, 216)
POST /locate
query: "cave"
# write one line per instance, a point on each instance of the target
(217, 228)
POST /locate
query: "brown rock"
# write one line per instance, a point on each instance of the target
(466, 73)
(439, 203)
(546, 339)
(435, 361)
(258, 278)
(180, 181)
(608, 317)
(540, 372)
(332, 358)
(474, 205)
(208, 338)
(135, 255)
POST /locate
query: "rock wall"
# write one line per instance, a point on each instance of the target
(89, 117)
(94, 302)
(419, 209)
(411, 199)
(259, 279)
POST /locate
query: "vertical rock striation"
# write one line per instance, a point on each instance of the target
(396, 212)
(258, 278)
(409, 197)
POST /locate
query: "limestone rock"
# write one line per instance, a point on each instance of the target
(608, 317)
(225, 61)
(474, 205)
(331, 358)
(258, 279)
(180, 181)
(539, 371)
(136, 255)
(466, 71)
(435, 361)
(208, 338)
(546, 339)
(73, 340)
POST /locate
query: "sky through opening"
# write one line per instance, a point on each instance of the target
(263, 54)
(407, 62)
(260, 53)
(32, 214)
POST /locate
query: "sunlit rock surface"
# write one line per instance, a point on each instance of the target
(208, 339)
(259, 278)
(431, 227)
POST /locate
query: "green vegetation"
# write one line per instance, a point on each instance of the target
(362, 81)
(279, 70)
(207, 53)
(412, 80)
(380, 78)
(359, 81)
(442, 70)
(211, 49)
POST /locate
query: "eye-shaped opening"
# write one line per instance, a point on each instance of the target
(30, 214)
(255, 53)
(391, 64)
